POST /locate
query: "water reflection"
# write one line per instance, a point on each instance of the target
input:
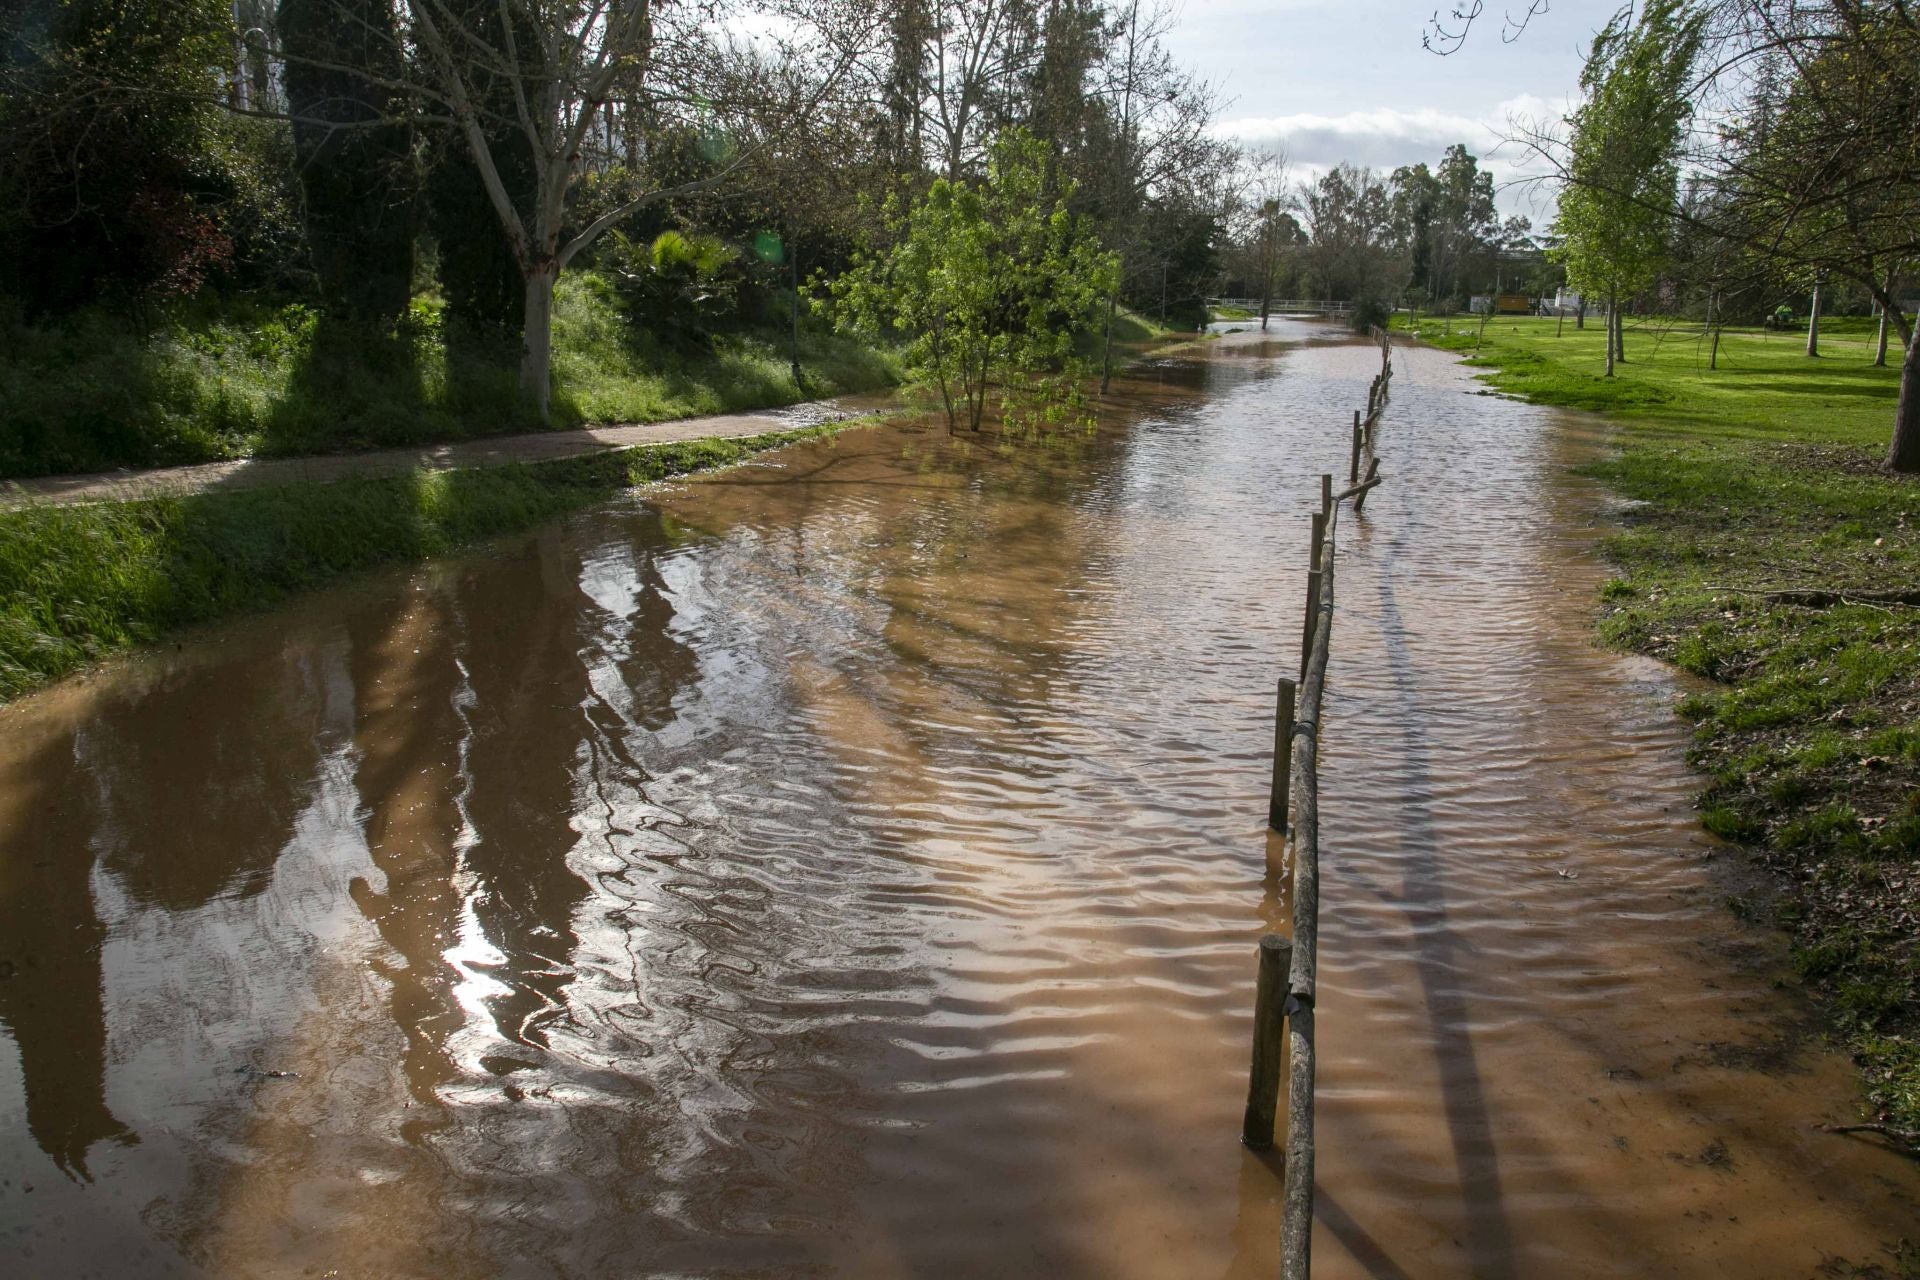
(50, 980)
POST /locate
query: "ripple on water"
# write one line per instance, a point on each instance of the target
(851, 864)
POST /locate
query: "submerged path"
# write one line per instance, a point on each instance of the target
(850, 864)
(535, 446)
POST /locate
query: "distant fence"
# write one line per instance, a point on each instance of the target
(1283, 1033)
(1287, 306)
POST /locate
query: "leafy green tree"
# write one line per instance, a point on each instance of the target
(1623, 176)
(107, 149)
(989, 283)
(353, 150)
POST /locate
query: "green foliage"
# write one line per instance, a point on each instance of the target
(683, 289)
(106, 193)
(353, 152)
(1612, 223)
(79, 582)
(989, 283)
(481, 280)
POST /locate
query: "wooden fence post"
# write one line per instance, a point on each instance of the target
(1313, 616)
(1282, 757)
(1269, 1041)
(1360, 499)
(1326, 507)
(1353, 462)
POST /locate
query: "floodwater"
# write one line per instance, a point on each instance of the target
(852, 864)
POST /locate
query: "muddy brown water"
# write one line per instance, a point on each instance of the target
(851, 865)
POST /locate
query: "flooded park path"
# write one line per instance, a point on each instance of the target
(851, 864)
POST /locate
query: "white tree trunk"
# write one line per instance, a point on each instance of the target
(536, 360)
(1613, 321)
(1886, 323)
(1813, 323)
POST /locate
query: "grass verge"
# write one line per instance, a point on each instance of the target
(1751, 480)
(228, 379)
(80, 582)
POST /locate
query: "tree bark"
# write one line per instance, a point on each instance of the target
(1904, 453)
(1580, 314)
(1880, 353)
(1813, 321)
(1713, 354)
(1613, 319)
(536, 360)
(1106, 355)
(793, 349)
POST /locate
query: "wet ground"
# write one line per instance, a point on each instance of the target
(851, 864)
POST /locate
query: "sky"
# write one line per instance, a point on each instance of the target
(1333, 80)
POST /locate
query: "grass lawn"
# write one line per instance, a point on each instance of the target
(1755, 478)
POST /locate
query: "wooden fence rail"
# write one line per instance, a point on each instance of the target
(1283, 1028)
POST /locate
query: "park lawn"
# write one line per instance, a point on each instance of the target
(1756, 478)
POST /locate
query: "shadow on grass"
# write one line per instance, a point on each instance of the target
(357, 387)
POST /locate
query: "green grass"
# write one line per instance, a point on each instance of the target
(1229, 313)
(80, 582)
(1757, 477)
(240, 379)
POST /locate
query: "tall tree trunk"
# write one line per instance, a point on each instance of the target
(1580, 314)
(1880, 352)
(793, 349)
(1106, 355)
(1619, 335)
(1904, 453)
(1713, 324)
(353, 153)
(536, 360)
(1813, 321)
(1613, 320)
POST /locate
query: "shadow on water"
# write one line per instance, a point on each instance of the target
(1438, 954)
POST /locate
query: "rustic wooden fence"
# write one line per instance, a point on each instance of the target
(1283, 1034)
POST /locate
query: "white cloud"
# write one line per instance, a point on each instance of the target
(1385, 138)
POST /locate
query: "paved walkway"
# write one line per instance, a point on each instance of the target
(260, 473)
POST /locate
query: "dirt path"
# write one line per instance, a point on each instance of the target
(260, 473)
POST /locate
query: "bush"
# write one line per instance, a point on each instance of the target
(682, 289)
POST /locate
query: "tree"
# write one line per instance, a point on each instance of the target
(1623, 175)
(989, 282)
(1273, 231)
(1348, 218)
(1813, 162)
(564, 64)
(107, 148)
(353, 151)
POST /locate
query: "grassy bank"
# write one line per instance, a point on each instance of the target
(80, 582)
(102, 390)
(1753, 480)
